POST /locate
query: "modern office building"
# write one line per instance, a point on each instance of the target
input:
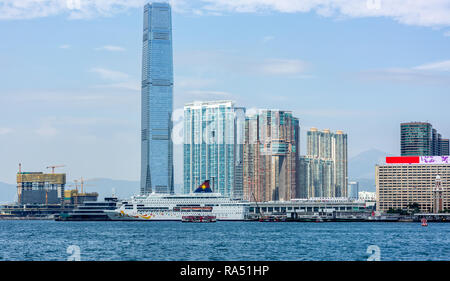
(353, 190)
(403, 181)
(157, 100)
(436, 143)
(445, 145)
(40, 188)
(213, 146)
(416, 139)
(271, 156)
(421, 139)
(324, 170)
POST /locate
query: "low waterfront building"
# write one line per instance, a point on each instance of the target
(312, 206)
(367, 196)
(404, 181)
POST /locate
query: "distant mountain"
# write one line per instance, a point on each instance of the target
(123, 188)
(8, 193)
(361, 168)
(104, 187)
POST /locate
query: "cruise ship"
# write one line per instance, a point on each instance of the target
(173, 207)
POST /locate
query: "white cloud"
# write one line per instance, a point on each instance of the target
(5, 131)
(65, 46)
(283, 67)
(268, 38)
(411, 12)
(109, 74)
(46, 130)
(447, 33)
(436, 72)
(111, 48)
(436, 66)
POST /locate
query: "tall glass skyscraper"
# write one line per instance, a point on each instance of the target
(157, 100)
(416, 139)
(213, 146)
(421, 139)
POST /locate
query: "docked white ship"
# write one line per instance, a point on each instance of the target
(166, 207)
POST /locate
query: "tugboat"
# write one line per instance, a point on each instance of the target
(198, 219)
(424, 222)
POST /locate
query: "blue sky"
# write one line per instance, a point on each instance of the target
(70, 71)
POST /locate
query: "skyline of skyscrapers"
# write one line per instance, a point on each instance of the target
(254, 156)
(157, 100)
(213, 146)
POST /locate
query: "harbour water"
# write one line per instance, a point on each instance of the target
(155, 241)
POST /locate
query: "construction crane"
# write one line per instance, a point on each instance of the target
(82, 183)
(54, 166)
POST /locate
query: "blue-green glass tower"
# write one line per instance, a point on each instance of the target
(157, 100)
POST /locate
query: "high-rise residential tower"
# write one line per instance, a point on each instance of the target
(271, 156)
(340, 159)
(157, 100)
(213, 146)
(323, 171)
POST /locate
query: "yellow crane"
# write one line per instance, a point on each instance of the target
(54, 166)
(82, 183)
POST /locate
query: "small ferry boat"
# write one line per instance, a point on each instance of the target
(273, 218)
(90, 211)
(198, 219)
(424, 222)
